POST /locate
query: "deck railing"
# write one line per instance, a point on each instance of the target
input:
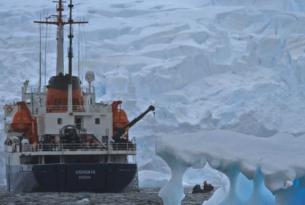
(71, 147)
(64, 108)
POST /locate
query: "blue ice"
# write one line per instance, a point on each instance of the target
(242, 191)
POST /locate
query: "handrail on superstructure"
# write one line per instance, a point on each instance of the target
(26, 148)
(64, 108)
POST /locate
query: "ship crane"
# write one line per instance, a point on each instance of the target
(120, 132)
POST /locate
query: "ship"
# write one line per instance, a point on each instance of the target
(60, 139)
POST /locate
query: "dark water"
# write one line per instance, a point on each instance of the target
(143, 197)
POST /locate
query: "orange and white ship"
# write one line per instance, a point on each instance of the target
(59, 139)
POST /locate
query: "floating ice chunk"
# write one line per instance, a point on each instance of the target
(260, 171)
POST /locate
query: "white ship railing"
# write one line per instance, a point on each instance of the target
(113, 147)
(76, 108)
(64, 108)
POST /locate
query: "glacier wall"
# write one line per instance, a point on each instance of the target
(258, 171)
(210, 64)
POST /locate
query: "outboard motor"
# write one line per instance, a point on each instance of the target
(69, 136)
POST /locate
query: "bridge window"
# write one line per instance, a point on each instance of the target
(97, 121)
(59, 121)
(78, 122)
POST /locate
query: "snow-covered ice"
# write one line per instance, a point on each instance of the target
(272, 168)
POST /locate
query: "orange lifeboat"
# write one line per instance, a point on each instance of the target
(120, 119)
(23, 122)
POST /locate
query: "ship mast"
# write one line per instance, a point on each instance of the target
(70, 57)
(70, 36)
(60, 22)
(60, 39)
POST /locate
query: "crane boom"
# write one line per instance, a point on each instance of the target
(120, 132)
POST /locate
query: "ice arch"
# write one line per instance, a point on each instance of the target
(270, 171)
(197, 175)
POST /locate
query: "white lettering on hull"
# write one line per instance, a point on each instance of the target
(85, 174)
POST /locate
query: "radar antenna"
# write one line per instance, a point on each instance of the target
(60, 22)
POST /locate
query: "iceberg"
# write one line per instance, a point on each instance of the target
(257, 170)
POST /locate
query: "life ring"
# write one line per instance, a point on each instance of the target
(8, 142)
(9, 109)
